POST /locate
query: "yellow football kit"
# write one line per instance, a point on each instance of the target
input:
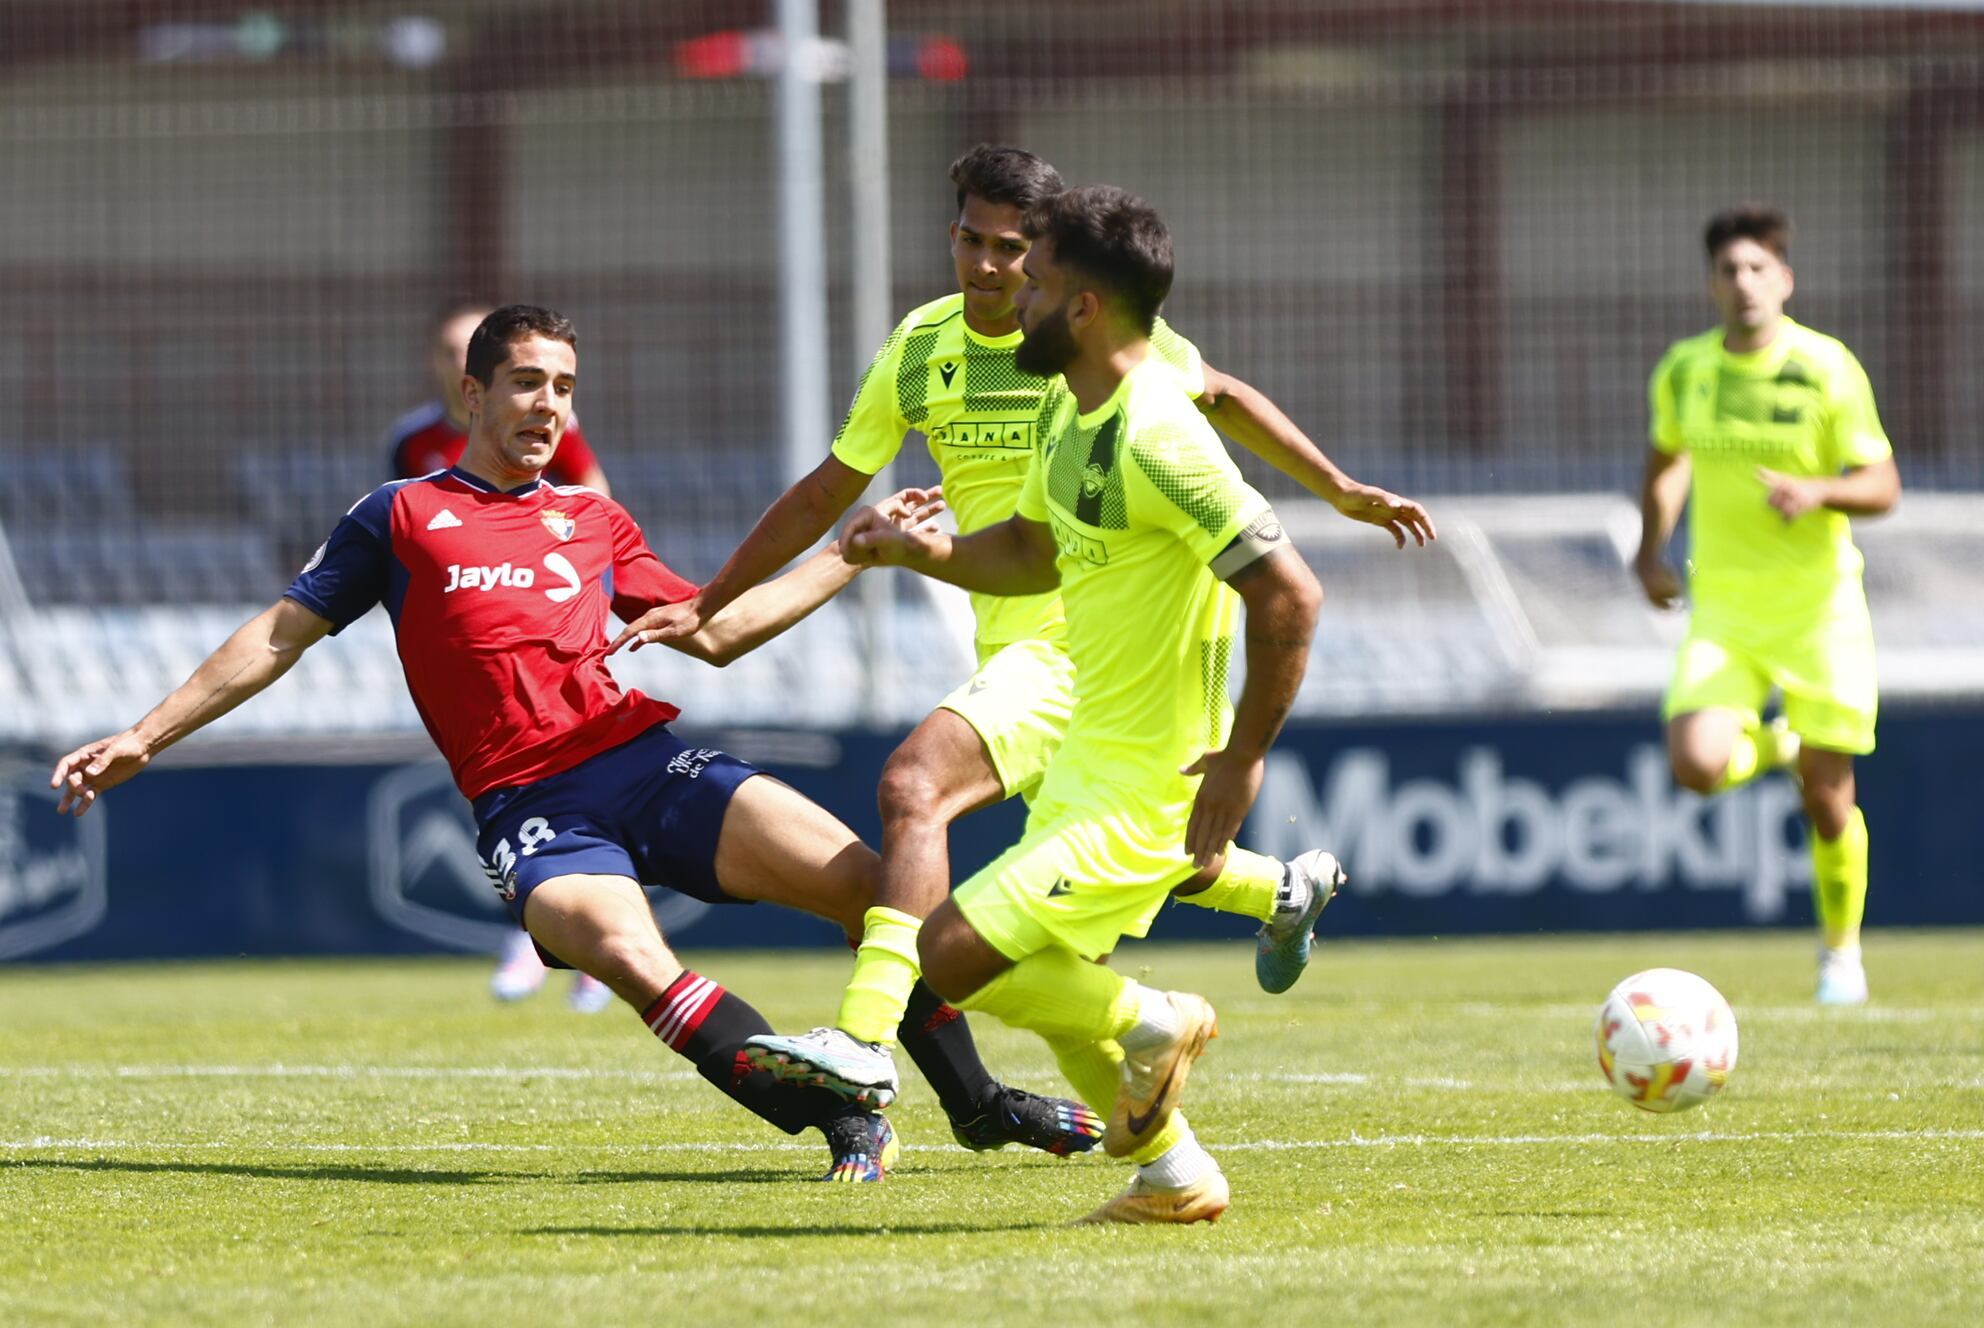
(1142, 499)
(1774, 603)
(978, 413)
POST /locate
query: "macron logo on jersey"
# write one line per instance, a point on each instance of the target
(475, 577)
(444, 520)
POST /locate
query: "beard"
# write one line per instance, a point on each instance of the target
(1048, 348)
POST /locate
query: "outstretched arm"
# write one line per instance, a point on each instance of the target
(1015, 557)
(789, 527)
(764, 611)
(1663, 490)
(1244, 414)
(258, 653)
(1283, 600)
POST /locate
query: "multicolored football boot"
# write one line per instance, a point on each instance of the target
(1014, 1116)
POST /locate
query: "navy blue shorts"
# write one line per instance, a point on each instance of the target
(651, 808)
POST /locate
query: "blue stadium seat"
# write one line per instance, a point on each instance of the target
(57, 485)
(104, 564)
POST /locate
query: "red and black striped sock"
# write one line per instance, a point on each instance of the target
(707, 1025)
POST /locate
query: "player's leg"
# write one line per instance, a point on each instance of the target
(1839, 871)
(603, 925)
(1018, 940)
(778, 846)
(559, 852)
(1832, 701)
(1716, 738)
(1286, 898)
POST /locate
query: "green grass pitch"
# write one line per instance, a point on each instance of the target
(1416, 1134)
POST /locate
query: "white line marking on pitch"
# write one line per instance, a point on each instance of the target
(1263, 1145)
(280, 1071)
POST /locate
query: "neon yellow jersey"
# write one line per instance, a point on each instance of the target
(1801, 406)
(1141, 496)
(977, 411)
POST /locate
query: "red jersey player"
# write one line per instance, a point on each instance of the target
(499, 585)
(432, 435)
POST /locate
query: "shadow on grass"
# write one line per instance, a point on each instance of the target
(377, 1175)
(414, 1176)
(797, 1229)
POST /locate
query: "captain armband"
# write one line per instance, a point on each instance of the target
(1262, 536)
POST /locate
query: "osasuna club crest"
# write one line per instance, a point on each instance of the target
(559, 524)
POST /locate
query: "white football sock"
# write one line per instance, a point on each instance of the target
(1182, 1164)
(1157, 1021)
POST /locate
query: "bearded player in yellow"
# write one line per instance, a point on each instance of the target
(1133, 510)
(948, 371)
(1777, 424)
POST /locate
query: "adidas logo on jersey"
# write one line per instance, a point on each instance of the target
(444, 520)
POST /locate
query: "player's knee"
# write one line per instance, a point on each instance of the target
(1695, 772)
(628, 959)
(910, 790)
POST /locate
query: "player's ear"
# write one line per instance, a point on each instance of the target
(1084, 309)
(471, 393)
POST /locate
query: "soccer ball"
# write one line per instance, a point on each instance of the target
(1666, 1040)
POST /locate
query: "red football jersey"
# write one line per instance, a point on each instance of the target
(424, 441)
(499, 603)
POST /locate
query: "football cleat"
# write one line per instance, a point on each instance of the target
(1154, 1079)
(1201, 1201)
(1015, 1116)
(519, 973)
(861, 1072)
(589, 995)
(1281, 950)
(1842, 977)
(864, 1148)
(1782, 746)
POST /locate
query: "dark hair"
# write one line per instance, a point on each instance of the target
(1004, 175)
(1749, 221)
(1113, 238)
(490, 345)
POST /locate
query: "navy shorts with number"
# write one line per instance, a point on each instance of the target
(651, 808)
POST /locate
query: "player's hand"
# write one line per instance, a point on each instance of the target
(1225, 795)
(1380, 507)
(97, 766)
(871, 538)
(914, 509)
(1791, 495)
(1660, 582)
(664, 622)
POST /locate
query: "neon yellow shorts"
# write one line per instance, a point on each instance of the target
(1831, 691)
(1019, 701)
(1082, 876)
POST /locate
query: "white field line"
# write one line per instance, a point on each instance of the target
(607, 1074)
(280, 1071)
(45, 1144)
(1863, 1014)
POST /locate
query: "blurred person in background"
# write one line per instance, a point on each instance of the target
(1770, 429)
(431, 437)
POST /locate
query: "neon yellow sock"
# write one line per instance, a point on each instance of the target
(1058, 994)
(1247, 885)
(885, 968)
(1095, 1071)
(1745, 760)
(1839, 882)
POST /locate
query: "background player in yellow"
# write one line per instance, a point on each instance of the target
(1134, 509)
(948, 372)
(1771, 428)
